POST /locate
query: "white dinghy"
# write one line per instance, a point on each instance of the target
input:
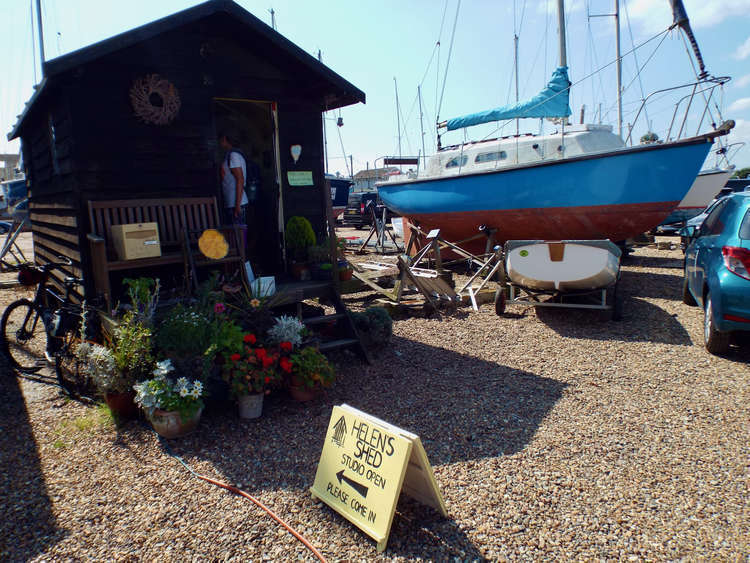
(564, 265)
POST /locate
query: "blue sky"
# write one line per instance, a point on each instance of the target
(371, 43)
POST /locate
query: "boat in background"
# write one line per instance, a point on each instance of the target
(582, 182)
(564, 265)
(339, 193)
(706, 186)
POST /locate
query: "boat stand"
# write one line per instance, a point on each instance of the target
(379, 228)
(11, 255)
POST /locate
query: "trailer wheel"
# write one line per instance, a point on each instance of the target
(500, 301)
(617, 304)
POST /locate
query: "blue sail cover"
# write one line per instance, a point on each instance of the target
(550, 102)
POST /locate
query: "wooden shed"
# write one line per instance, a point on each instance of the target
(137, 117)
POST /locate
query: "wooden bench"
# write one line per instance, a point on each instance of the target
(180, 221)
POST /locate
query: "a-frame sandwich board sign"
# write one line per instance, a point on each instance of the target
(364, 466)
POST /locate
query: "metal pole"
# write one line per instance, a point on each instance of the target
(619, 67)
(398, 117)
(421, 125)
(515, 49)
(351, 166)
(325, 125)
(561, 25)
(41, 32)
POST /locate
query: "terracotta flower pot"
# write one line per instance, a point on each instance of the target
(169, 424)
(251, 406)
(346, 274)
(122, 404)
(302, 394)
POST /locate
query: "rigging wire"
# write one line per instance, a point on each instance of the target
(586, 77)
(448, 61)
(635, 58)
(437, 68)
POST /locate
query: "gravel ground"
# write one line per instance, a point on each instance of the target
(554, 434)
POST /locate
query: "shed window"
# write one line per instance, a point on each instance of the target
(490, 156)
(457, 161)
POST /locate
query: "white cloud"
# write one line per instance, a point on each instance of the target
(743, 51)
(741, 134)
(742, 81)
(655, 16)
(739, 105)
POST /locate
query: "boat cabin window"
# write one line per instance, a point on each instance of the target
(491, 156)
(457, 161)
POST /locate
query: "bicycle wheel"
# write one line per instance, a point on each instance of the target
(68, 371)
(24, 335)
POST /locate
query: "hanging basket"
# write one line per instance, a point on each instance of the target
(155, 99)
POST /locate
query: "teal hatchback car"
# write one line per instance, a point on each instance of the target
(717, 271)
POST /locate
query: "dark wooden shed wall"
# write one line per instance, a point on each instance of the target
(102, 151)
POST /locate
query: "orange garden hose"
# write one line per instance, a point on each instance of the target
(240, 492)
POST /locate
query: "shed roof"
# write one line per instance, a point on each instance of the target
(345, 92)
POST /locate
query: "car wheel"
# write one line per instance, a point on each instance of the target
(687, 297)
(716, 342)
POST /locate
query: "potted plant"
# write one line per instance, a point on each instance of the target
(173, 406)
(346, 272)
(310, 372)
(186, 335)
(98, 363)
(116, 368)
(286, 329)
(252, 374)
(299, 236)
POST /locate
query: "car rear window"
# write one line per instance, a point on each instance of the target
(745, 226)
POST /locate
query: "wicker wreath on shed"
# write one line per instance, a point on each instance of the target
(155, 99)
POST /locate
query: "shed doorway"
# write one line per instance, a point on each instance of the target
(253, 125)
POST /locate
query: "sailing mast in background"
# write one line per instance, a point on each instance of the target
(41, 34)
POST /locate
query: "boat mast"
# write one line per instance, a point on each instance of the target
(398, 117)
(563, 57)
(421, 125)
(561, 26)
(41, 33)
(619, 67)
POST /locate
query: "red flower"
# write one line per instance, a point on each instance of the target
(260, 353)
(267, 361)
(286, 346)
(268, 380)
(285, 364)
(235, 357)
(249, 338)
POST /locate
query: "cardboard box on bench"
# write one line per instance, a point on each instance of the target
(136, 240)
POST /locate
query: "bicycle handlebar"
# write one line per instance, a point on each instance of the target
(56, 265)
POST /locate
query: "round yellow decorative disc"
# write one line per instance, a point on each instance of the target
(213, 244)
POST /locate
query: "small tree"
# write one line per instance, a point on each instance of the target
(741, 173)
(649, 138)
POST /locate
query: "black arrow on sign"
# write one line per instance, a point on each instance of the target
(361, 489)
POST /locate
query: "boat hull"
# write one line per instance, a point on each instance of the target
(704, 189)
(614, 195)
(564, 266)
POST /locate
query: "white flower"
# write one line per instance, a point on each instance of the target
(195, 393)
(182, 382)
(163, 368)
(287, 329)
(197, 388)
(184, 392)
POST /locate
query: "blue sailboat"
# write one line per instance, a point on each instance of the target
(582, 182)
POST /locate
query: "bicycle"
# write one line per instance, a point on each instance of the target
(34, 329)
